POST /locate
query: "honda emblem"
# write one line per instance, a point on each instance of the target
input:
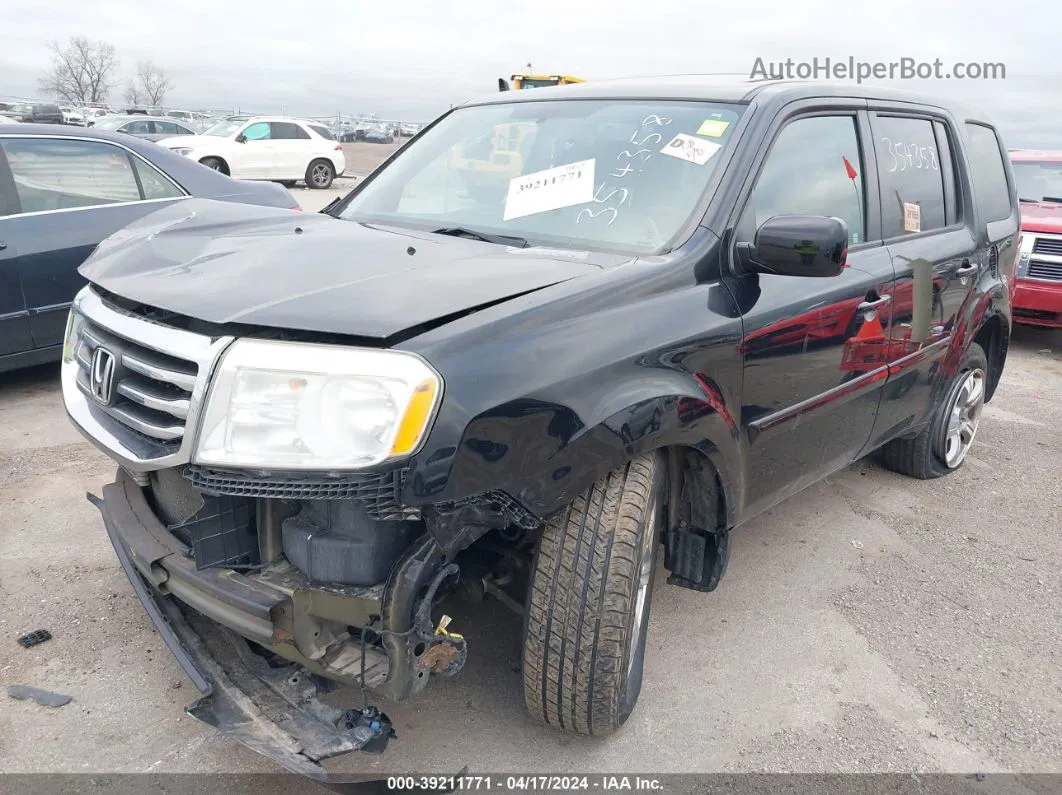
(101, 375)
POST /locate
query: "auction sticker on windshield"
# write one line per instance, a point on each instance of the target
(695, 150)
(550, 189)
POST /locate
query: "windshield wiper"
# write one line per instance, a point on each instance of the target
(503, 240)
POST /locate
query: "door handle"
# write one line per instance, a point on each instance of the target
(966, 268)
(870, 306)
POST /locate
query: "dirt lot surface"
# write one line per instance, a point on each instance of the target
(871, 623)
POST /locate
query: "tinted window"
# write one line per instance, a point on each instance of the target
(55, 174)
(912, 186)
(259, 131)
(988, 173)
(137, 127)
(154, 184)
(171, 128)
(814, 168)
(286, 131)
(324, 132)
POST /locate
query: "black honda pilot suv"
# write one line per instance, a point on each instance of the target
(562, 339)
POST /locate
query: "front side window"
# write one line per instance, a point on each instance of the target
(613, 175)
(814, 167)
(912, 176)
(137, 128)
(259, 131)
(56, 174)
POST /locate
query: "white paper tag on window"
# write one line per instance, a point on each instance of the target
(551, 189)
(912, 217)
(695, 150)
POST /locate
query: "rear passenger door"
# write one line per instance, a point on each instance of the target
(292, 148)
(71, 194)
(929, 231)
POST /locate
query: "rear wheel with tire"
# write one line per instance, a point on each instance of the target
(941, 447)
(588, 604)
(320, 174)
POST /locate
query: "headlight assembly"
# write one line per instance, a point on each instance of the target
(286, 405)
(182, 150)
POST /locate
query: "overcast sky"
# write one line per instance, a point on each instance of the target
(413, 59)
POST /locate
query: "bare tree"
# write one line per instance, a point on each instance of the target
(82, 71)
(133, 95)
(153, 82)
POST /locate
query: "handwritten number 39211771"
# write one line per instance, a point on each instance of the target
(629, 161)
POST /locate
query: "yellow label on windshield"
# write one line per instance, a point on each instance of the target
(713, 127)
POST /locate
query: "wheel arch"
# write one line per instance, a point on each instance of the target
(224, 163)
(994, 338)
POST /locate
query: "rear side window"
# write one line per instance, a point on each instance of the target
(56, 174)
(912, 180)
(138, 127)
(170, 128)
(324, 132)
(988, 173)
(287, 131)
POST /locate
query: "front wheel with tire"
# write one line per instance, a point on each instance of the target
(213, 163)
(320, 174)
(588, 603)
(941, 447)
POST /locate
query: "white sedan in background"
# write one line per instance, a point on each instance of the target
(275, 148)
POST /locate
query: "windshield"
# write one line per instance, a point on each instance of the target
(224, 129)
(110, 122)
(527, 82)
(617, 176)
(1038, 182)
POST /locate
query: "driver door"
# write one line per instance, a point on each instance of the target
(253, 158)
(814, 348)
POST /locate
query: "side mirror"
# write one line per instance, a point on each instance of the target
(241, 138)
(503, 84)
(797, 245)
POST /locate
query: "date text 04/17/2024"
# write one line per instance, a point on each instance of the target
(523, 783)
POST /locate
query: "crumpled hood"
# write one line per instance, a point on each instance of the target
(233, 263)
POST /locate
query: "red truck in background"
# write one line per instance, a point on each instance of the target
(1037, 298)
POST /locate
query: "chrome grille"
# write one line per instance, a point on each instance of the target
(151, 391)
(1048, 271)
(1048, 245)
(145, 412)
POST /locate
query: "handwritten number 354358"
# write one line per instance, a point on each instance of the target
(623, 168)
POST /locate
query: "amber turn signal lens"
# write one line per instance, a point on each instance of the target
(415, 421)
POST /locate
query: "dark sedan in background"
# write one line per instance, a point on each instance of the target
(62, 191)
(150, 128)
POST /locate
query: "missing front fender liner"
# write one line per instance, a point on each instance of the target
(697, 541)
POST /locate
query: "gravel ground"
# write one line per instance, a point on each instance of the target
(871, 623)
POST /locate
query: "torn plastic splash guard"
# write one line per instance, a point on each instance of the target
(273, 711)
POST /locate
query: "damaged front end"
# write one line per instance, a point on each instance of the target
(261, 640)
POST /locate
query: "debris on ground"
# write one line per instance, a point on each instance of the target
(33, 638)
(45, 698)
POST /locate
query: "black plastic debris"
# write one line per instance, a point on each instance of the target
(45, 698)
(33, 638)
